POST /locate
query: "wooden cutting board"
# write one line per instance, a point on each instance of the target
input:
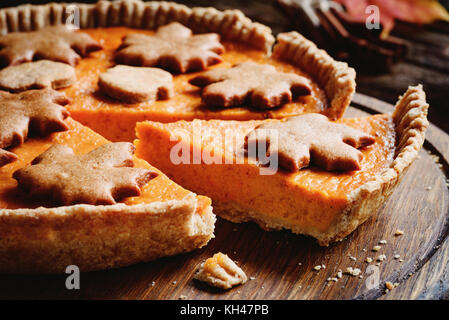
(280, 264)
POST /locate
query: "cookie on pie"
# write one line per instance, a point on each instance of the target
(172, 47)
(136, 84)
(56, 43)
(309, 197)
(39, 111)
(37, 75)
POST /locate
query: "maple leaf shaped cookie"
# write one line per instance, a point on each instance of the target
(39, 111)
(250, 83)
(98, 177)
(311, 138)
(172, 47)
(56, 43)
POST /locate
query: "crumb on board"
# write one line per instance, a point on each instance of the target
(353, 271)
(222, 272)
(381, 257)
(398, 233)
(376, 248)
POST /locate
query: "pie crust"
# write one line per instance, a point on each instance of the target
(336, 78)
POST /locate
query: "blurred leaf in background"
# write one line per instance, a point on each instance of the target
(412, 11)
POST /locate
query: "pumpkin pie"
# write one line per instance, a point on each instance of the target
(326, 198)
(121, 27)
(43, 235)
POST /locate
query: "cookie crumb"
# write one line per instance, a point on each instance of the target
(353, 271)
(317, 268)
(396, 256)
(389, 285)
(398, 233)
(382, 257)
(182, 297)
(383, 242)
(376, 248)
(369, 259)
(220, 271)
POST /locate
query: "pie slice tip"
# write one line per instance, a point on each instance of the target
(39, 237)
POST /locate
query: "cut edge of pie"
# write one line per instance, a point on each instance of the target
(336, 78)
(410, 123)
(47, 240)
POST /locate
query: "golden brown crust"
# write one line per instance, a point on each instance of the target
(230, 24)
(336, 78)
(410, 122)
(47, 240)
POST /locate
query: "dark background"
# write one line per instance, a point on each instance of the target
(427, 61)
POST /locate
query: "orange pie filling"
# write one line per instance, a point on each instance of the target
(82, 140)
(201, 156)
(116, 121)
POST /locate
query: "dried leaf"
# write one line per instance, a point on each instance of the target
(413, 11)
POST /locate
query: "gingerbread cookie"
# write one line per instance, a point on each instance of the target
(98, 177)
(136, 84)
(56, 43)
(249, 83)
(37, 75)
(311, 138)
(40, 111)
(172, 47)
